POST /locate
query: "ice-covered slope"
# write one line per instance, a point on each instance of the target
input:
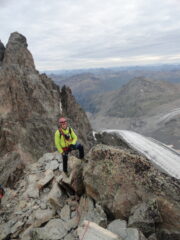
(165, 158)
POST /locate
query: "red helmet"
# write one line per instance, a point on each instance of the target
(62, 120)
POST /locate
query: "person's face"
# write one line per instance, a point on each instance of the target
(63, 124)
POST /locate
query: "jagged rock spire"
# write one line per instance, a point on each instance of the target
(16, 52)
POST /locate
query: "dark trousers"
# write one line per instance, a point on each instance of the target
(77, 146)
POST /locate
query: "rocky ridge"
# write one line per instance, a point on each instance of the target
(112, 190)
(30, 105)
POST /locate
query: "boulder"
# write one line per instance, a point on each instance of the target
(119, 180)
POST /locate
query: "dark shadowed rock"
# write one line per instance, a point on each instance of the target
(164, 234)
(2, 50)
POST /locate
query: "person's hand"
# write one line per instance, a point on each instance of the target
(71, 147)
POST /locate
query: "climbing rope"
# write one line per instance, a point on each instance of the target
(86, 228)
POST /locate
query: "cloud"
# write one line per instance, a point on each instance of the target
(90, 33)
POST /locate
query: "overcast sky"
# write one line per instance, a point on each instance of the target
(71, 34)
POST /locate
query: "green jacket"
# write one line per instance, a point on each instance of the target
(60, 140)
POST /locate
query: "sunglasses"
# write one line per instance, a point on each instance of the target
(62, 122)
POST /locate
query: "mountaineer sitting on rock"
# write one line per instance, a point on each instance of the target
(66, 141)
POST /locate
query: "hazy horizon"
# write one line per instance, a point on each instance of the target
(116, 67)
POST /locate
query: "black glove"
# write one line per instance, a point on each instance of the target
(71, 147)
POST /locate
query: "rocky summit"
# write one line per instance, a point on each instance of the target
(30, 105)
